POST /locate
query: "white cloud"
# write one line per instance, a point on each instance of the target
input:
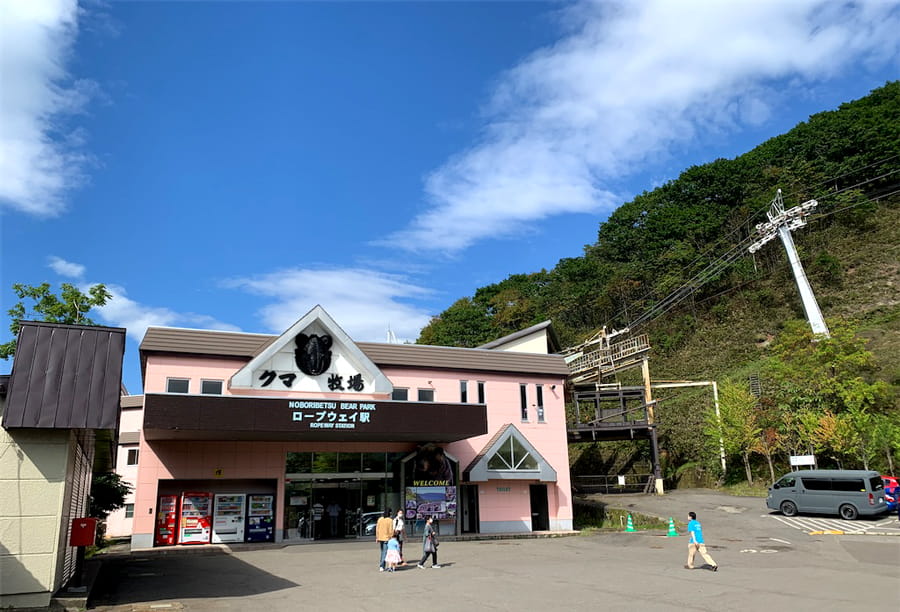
(122, 311)
(364, 302)
(65, 268)
(629, 83)
(39, 159)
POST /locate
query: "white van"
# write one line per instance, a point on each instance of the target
(848, 493)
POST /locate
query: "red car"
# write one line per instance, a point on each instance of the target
(891, 492)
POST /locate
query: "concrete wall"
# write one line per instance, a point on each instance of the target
(33, 465)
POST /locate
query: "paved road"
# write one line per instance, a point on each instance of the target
(726, 513)
(764, 564)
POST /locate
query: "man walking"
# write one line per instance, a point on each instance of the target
(384, 530)
(696, 544)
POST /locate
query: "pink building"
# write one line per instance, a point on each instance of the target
(308, 435)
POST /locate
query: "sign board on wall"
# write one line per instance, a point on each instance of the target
(200, 417)
(313, 414)
(803, 460)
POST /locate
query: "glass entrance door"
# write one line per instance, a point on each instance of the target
(336, 507)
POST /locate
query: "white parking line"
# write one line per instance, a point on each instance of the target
(782, 541)
(809, 524)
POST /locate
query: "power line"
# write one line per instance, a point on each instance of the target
(736, 251)
(796, 192)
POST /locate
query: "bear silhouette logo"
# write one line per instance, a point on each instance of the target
(313, 353)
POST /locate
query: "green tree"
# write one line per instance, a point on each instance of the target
(70, 306)
(833, 435)
(835, 373)
(466, 323)
(737, 425)
(886, 438)
(828, 394)
(108, 493)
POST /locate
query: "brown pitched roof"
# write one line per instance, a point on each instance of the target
(65, 377)
(245, 346)
(132, 401)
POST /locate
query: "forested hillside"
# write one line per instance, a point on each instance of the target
(673, 263)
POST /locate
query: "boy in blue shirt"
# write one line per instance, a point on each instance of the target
(696, 544)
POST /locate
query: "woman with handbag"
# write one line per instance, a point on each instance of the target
(429, 545)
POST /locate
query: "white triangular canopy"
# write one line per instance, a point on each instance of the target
(509, 456)
(278, 367)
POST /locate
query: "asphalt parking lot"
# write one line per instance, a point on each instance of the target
(764, 563)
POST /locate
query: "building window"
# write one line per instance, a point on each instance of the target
(523, 399)
(480, 391)
(211, 387)
(512, 456)
(540, 402)
(464, 391)
(129, 510)
(177, 385)
(132, 457)
(400, 395)
(426, 395)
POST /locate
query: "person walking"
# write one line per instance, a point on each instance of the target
(696, 544)
(399, 529)
(429, 545)
(384, 529)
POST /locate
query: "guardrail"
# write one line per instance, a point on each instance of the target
(606, 484)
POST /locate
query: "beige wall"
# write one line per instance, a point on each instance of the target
(33, 465)
(533, 343)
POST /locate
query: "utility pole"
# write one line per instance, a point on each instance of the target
(781, 223)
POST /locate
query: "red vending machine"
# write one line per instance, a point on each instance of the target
(166, 520)
(196, 518)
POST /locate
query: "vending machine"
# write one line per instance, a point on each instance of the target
(228, 518)
(196, 518)
(166, 520)
(260, 518)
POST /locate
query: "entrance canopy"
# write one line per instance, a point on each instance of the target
(204, 417)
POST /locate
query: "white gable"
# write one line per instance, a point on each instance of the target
(314, 355)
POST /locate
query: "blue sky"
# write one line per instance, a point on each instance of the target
(229, 165)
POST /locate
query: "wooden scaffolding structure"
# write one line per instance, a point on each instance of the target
(605, 410)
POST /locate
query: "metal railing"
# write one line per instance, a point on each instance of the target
(606, 484)
(598, 357)
(589, 412)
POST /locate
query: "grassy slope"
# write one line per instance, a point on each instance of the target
(868, 290)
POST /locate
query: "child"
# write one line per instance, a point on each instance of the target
(392, 557)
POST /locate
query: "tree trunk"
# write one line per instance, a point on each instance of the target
(746, 457)
(890, 460)
(771, 467)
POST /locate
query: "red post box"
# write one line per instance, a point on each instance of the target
(84, 532)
